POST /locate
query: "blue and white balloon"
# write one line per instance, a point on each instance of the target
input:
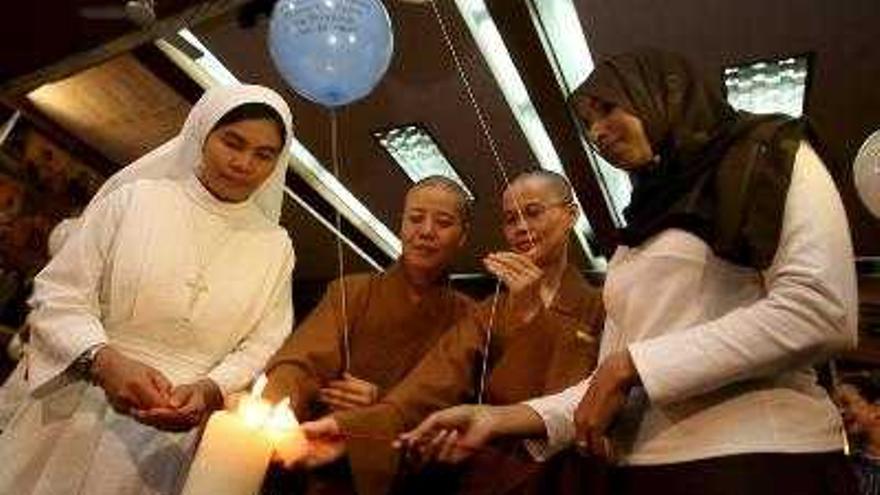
(866, 173)
(332, 52)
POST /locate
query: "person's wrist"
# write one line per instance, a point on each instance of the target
(487, 416)
(626, 372)
(212, 394)
(101, 360)
(502, 421)
(525, 309)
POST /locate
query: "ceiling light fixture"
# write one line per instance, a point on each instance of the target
(773, 86)
(415, 150)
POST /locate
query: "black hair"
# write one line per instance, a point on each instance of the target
(253, 111)
(867, 383)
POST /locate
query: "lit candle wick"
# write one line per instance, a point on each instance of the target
(282, 417)
(253, 410)
(259, 386)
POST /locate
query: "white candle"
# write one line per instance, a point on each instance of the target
(231, 459)
(236, 447)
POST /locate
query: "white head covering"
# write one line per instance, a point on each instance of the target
(179, 157)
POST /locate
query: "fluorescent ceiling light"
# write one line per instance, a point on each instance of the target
(8, 126)
(561, 27)
(492, 47)
(566, 47)
(777, 86)
(209, 71)
(332, 228)
(414, 149)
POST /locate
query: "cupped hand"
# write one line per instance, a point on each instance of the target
(523, 278)
(128, 383)
(189, 406)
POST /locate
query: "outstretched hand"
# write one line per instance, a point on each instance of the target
(450, 436)
(327, 444)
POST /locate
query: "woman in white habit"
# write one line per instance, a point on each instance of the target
(172, 293)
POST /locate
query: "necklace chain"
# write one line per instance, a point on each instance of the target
(204, 256)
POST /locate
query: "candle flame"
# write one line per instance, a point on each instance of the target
(259, 386)
(282, 417)
(254, 412)
(283, 430)
(257, 412)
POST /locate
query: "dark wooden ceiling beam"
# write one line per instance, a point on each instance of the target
(77, 62)
(61, 136)
(6, 113)
(155, 60)
(326, 210)
(524, 43)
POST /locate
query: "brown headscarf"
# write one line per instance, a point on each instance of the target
(720, 174)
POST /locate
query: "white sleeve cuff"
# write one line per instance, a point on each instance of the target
(50, 355)
(642, 354)
(230, 378)
(557, 413)
(560, 431)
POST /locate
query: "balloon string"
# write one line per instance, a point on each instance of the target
(340, 258)
(478, 111)
(481, 119)
(499, 166)
(487, 342)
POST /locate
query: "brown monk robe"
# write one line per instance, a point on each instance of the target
(544, 338)
(393, 319)
(555, 350)
(388, 335)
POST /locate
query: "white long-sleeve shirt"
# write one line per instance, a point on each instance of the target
(723, 351)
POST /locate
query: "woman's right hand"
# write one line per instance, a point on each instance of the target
(327, 443)
(523, 279)
(128, 383)
(453, 435)
(449, 436)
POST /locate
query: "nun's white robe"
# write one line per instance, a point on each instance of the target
(130, 278)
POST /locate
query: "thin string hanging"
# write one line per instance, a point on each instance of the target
(500, 167)
(340, 257)
(487, 342)
(478, 110)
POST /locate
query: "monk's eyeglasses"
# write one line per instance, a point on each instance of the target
(532, 212)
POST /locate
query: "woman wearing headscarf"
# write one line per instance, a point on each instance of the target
(736, 276)
(172, 293)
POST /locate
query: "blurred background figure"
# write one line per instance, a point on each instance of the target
(857, 398)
